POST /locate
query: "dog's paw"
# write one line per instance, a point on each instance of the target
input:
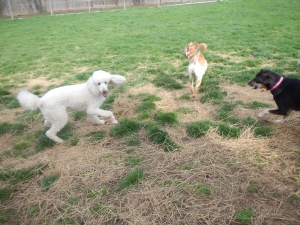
(100, 122)
(260, 115)
(114, 121)
(279, 121)
(263, 113)
(282, 120)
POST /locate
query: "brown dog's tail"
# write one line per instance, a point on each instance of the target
(200, 47)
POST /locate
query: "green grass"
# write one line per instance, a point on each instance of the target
(244, 215)
(297, 155)
(131, 160)
(161, 138)
(43, 142)
(18, 149)
(79, 116)
(189, 165)
(30, 116)
(166, 117)
(133, 177)
(214, 96)
(186, 110)
(253, 189)
(201, 189)
(48, 181)
(263, 131)
(14, 128)
(145, 97)
(161, 40)
(167, 82)
(97, 135)
(4, 92)
(132, 140)
(228, 131)
(16, 176)
(199, 129)
(185, 97)
(144, 116)
(5, 193)
(256, 104)
(9, 101)
(145, 107)
(125, 127)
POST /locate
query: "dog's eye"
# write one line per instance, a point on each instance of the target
(99, 83)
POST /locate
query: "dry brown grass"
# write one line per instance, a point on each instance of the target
(167, 194)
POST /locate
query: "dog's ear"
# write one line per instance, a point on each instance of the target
(117, 80)
(92, 86)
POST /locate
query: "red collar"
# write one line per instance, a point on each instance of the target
(277, 84)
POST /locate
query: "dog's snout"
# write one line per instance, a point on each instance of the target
(253, 84)
(104, 93)
(250, 83)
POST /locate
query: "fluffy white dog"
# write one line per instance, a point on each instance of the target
(87, 97)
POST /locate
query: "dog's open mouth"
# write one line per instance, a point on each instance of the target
(104, 93)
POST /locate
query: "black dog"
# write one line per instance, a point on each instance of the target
(285, 91)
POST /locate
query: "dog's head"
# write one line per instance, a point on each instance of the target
(98, 82)
(263, 80)
(189, 49)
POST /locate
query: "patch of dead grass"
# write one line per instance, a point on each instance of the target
(167, 194)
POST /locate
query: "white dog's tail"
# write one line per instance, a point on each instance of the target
(28, 100)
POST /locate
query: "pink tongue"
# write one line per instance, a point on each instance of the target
(104, 93)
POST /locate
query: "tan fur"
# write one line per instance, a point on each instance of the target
(197, 64)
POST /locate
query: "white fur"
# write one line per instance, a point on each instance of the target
(266, 112)
(197, 70)
(87, 97)
(263, 113)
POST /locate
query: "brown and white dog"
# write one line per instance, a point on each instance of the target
(197, 64)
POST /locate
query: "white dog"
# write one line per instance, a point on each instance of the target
(87, 97)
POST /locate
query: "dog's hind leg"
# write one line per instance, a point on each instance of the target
(195, 89)
(47, 123)
(192, 86)
(285, 117)
(276, 112)
(57, 121)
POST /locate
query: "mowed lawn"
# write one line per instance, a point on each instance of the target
(170, 160)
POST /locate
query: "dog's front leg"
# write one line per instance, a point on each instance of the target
(263, 113)
(104, 113)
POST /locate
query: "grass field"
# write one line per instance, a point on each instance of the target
(170, 160)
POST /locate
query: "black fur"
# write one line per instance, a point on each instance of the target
(286, 95)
